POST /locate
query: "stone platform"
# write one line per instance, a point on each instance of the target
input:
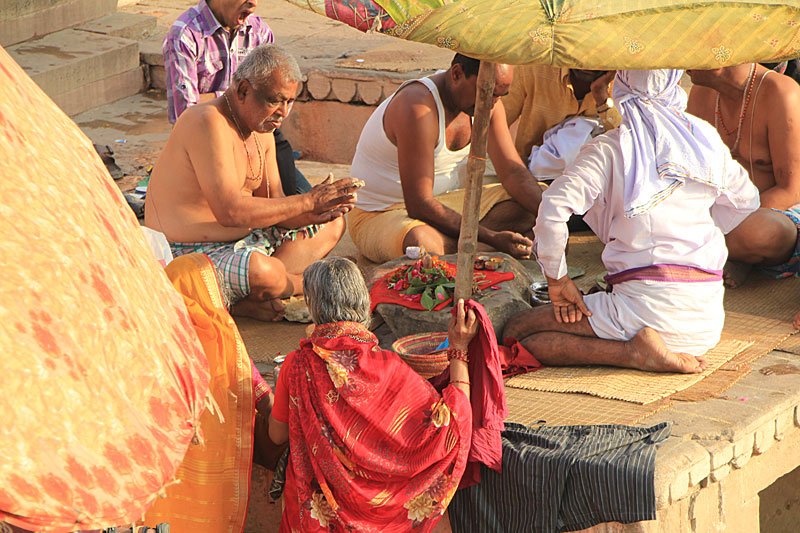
(505, 300)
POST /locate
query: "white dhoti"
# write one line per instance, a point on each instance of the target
(688, 316)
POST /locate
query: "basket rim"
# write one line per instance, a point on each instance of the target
(405, 342)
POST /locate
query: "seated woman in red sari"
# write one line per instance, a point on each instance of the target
(372, 445)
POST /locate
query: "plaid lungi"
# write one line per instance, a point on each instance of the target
(232, 259)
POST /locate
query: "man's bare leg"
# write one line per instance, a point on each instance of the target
(269, 282)
(766, 238)
(298, 254)
(508, 215)
(431, 239)
(563, 344)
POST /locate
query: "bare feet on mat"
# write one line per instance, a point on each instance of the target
(734, 273)
(268, 311)
(650, 353)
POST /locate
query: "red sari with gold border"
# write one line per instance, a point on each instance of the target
(373, 446)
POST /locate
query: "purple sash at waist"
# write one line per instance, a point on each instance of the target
(673, 273)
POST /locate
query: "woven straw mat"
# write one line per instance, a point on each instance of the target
(765, 297)
(555, 409)
(631, 385)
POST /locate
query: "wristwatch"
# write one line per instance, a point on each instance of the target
(605, 106)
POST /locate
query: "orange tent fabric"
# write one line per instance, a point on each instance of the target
(103, 379)
(214, 479)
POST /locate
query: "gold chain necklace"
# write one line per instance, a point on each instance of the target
(256, 177)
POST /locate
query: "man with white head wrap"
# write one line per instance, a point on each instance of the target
(660, 191)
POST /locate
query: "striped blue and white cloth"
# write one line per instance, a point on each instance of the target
(564, 478)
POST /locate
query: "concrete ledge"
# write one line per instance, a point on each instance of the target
(21, 20)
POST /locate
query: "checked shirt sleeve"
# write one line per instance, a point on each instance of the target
(180, 63)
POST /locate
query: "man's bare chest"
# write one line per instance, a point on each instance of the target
(457, 134)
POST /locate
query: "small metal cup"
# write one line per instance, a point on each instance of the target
(276, 362)
(539, 293)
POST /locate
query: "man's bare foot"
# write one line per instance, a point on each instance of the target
(734, 273)
(649, 353)
(268, 311)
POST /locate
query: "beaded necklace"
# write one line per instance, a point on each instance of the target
(746, 92)
(256, 177)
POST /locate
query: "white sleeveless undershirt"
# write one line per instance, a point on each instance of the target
(375, 160)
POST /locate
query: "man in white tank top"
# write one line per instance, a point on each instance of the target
(411, 155)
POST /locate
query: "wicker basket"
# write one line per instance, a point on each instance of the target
(418, 351)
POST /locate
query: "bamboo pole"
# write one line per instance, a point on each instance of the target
(476, 164)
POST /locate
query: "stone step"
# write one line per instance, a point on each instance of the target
(153, 59)
(102, 92)
(21, 20)
(70, 59)
(132, 26)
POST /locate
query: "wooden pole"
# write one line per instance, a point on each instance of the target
(476, 164)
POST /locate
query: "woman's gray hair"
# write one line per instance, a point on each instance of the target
(265, 59)
(335, 291)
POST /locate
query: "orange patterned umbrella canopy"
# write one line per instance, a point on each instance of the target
(103, 378)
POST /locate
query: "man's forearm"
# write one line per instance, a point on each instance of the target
(524, 189)
(257, 212)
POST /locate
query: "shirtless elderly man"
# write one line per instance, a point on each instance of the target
(215, 190)
(412, 155)
(660, 191)
(757, 113)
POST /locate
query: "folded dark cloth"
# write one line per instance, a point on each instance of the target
(564, 478)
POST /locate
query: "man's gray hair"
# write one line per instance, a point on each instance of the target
(335, 292)
(265, 59)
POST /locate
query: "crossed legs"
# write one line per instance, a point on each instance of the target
(281, 274)
(563, 344)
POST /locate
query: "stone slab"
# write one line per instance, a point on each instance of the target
(150, 51)
(132, 26)
(677, 458)
(102, 92)
(511, 299)
(70, 59)
(158, 77)
(21, 20)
